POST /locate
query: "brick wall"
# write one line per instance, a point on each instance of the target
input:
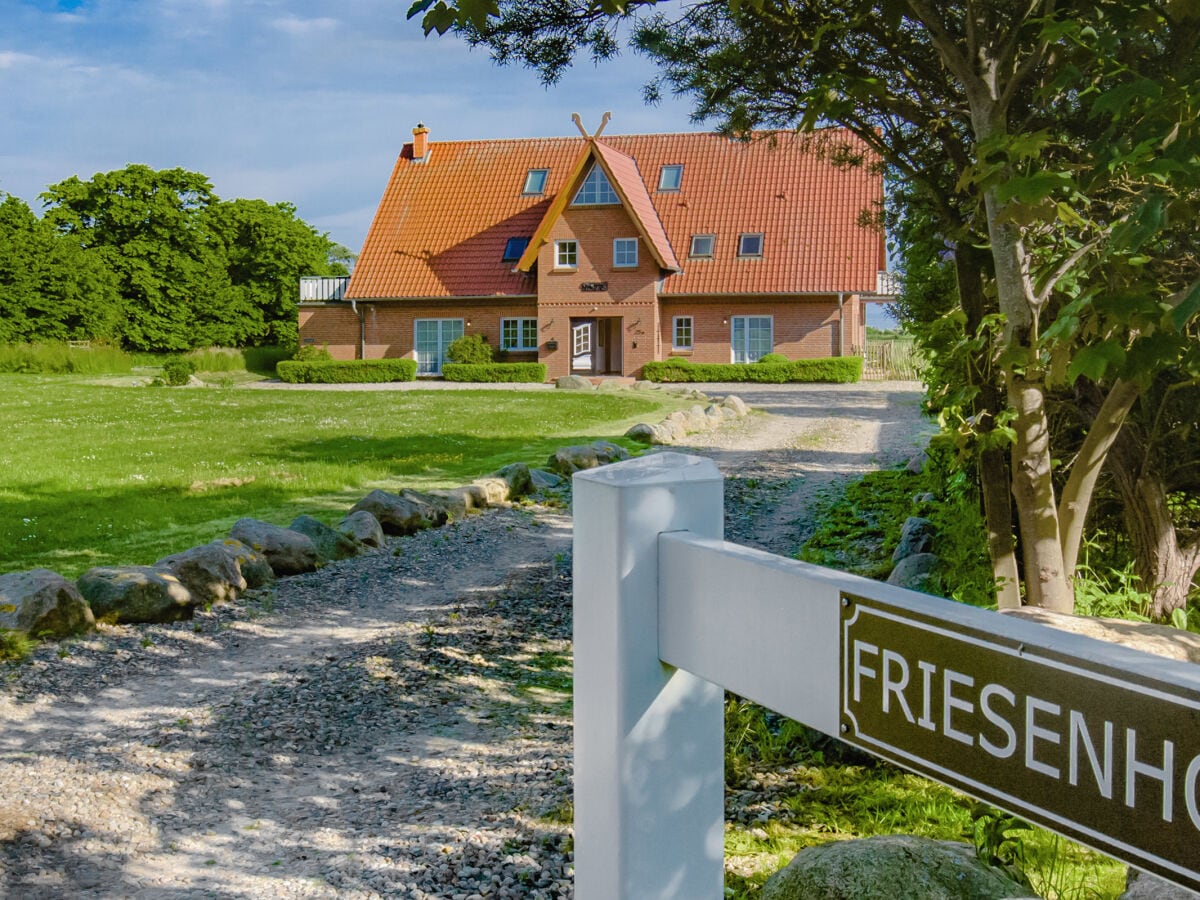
(803, 328)
(390, 329)
(630, 297)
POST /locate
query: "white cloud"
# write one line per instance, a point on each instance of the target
(10, 59)
(298, 27)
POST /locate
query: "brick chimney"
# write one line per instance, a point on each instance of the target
(420, 141)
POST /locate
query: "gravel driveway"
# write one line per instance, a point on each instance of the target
(392, 726)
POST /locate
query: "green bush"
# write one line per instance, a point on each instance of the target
(495, 372)
(769, 358)
(178, 370)
(353, 371)
(470, 349)
(313, 353)
(835, 369)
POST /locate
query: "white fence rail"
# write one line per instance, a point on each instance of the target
(318, 288)
(1093, 740)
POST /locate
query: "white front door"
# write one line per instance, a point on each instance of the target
(431, 338)
(751, 337)
(583, 345)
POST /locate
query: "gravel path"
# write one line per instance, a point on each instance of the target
(392, 726)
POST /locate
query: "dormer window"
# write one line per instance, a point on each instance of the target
(702, 246)
(535, 181)
(596, 190)
(514, 248)
(750, 245)
(670, 178)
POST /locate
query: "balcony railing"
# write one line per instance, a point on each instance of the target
(319, 288)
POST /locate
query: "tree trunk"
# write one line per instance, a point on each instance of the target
(993, 473)
(997, 513)
(1165, 569)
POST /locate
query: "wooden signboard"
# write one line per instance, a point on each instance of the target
(1108, 757)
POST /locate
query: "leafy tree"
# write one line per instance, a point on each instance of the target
(170, 269)
(267, 248)
(1071, 129)
(51, 289)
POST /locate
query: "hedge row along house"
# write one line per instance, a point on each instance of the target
(598, 254)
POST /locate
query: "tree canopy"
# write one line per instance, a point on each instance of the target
(154, 260)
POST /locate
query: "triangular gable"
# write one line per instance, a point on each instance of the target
(622, 173)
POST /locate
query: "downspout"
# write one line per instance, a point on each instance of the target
(841, 323)
(362, 330)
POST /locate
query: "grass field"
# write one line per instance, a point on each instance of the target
(94, 475)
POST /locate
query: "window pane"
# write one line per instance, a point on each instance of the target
(535, 181)
(529, 338)
(750, 245)
(567, 254)
(670, 178)
(702, 245)
(508, 334)
(596, 189)
(514, 248)
(625, 252)
(683, 332)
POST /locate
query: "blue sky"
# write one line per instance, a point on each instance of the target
(303, 101)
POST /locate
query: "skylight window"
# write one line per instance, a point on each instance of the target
(596, 190)
(514, 248)
(750, 245)
(702, 246)
(670, 178)
(535, 181)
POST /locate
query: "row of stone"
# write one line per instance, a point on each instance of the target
(43, 603)
(679, 424)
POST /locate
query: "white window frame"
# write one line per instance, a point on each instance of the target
(622, 258)
(685, 325)
(448, 330)
(525, 328)
(540, 175)
(742, 254)
(712, 246)
(566, 254)
(750, 350)
(592, 184)
(676, 184)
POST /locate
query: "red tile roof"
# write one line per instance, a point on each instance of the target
(442, 224)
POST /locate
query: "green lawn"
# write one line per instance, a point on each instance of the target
(98, 475)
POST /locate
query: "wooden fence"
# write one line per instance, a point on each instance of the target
(1092, 740)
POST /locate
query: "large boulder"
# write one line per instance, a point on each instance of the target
(255, 567)
(458, 501)
(364, 528)
(136, 594)
(492, 491)
(43, 603)
(1161, 640)
(608, 452)
(288, 552)
(210, 572)
(914, 572)
(404, 513)
(1141, 885)
(890, 867)
(516, 476)
(737, 404)
(330, 542)
(645, 433)
(916, 536)
(573, 383)
(569, 460)
(543, 480)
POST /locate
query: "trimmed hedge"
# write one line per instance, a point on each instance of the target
(836, 369)
(350, 371)
(495, 372)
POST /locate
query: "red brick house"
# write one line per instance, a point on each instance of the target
(598, 254)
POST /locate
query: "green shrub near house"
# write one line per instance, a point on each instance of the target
(834, 369)
(495, 372)
(470, 349)
(353, 371)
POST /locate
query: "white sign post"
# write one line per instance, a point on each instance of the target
(1090, 739)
